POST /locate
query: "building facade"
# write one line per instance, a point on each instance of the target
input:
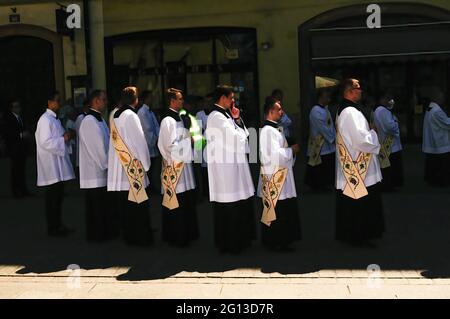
(255, 45)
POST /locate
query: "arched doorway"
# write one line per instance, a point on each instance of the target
(31, 66)
(407, 55)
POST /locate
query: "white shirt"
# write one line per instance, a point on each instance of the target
(436, 131)
(53, 162)
(93, 151)
(76, 140)
(357, 137)
(130, 129)
(320, 123)
(273, 155)
(387, 125)
(151, 128)
(174, 144)
(228, 170)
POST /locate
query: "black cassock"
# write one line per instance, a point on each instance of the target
(134, 219)
(437, 169)
(102, 221)
(180, 225)
(286, 228)
(321, 176)
(359, 219)
(234, 225)
(393, 175)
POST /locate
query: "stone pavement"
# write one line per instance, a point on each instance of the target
(411, 261)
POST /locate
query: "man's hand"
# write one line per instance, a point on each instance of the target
(295, 148)
(70, 134)
(235, 113)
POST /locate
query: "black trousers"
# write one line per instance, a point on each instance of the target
(234, 225)
(437, 169)
(54, 195)
(18, 165)
(101, 219)
(361, 219)
(135, 220)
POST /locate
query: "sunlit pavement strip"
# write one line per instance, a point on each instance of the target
(238, 283)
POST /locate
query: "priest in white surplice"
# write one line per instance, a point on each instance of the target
(436, 142)
(277, 158)
(359, 210)
(134, 216)
(179, 225)
(53, 164)
(230, 183)
(93, 141)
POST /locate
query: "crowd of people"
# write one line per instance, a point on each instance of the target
(121, 161)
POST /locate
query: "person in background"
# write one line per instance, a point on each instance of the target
(388, 131)
(436, 141)
(15, 137)
(321, 146)
(151, 128)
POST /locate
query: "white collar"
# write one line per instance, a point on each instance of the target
(434, 104)
(220, 106)
(51, 113)
(272, 121)
(94, 110)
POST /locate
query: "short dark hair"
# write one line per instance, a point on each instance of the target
(222, 90)
(269, 103)
(145, 94)
(129, 95)
(347, 84)
(321, 92)
(51, 95)
(384, 94)
(171, 94)
(277, 92)
(96, 94)
(436, 93)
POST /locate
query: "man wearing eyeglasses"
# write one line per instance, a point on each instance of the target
(359, 210)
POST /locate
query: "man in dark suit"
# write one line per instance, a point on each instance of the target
(16, 149)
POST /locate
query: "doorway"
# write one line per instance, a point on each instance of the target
(27, 74)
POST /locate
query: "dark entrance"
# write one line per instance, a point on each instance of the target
(408, 55)
(194, 60)
(26, 73)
